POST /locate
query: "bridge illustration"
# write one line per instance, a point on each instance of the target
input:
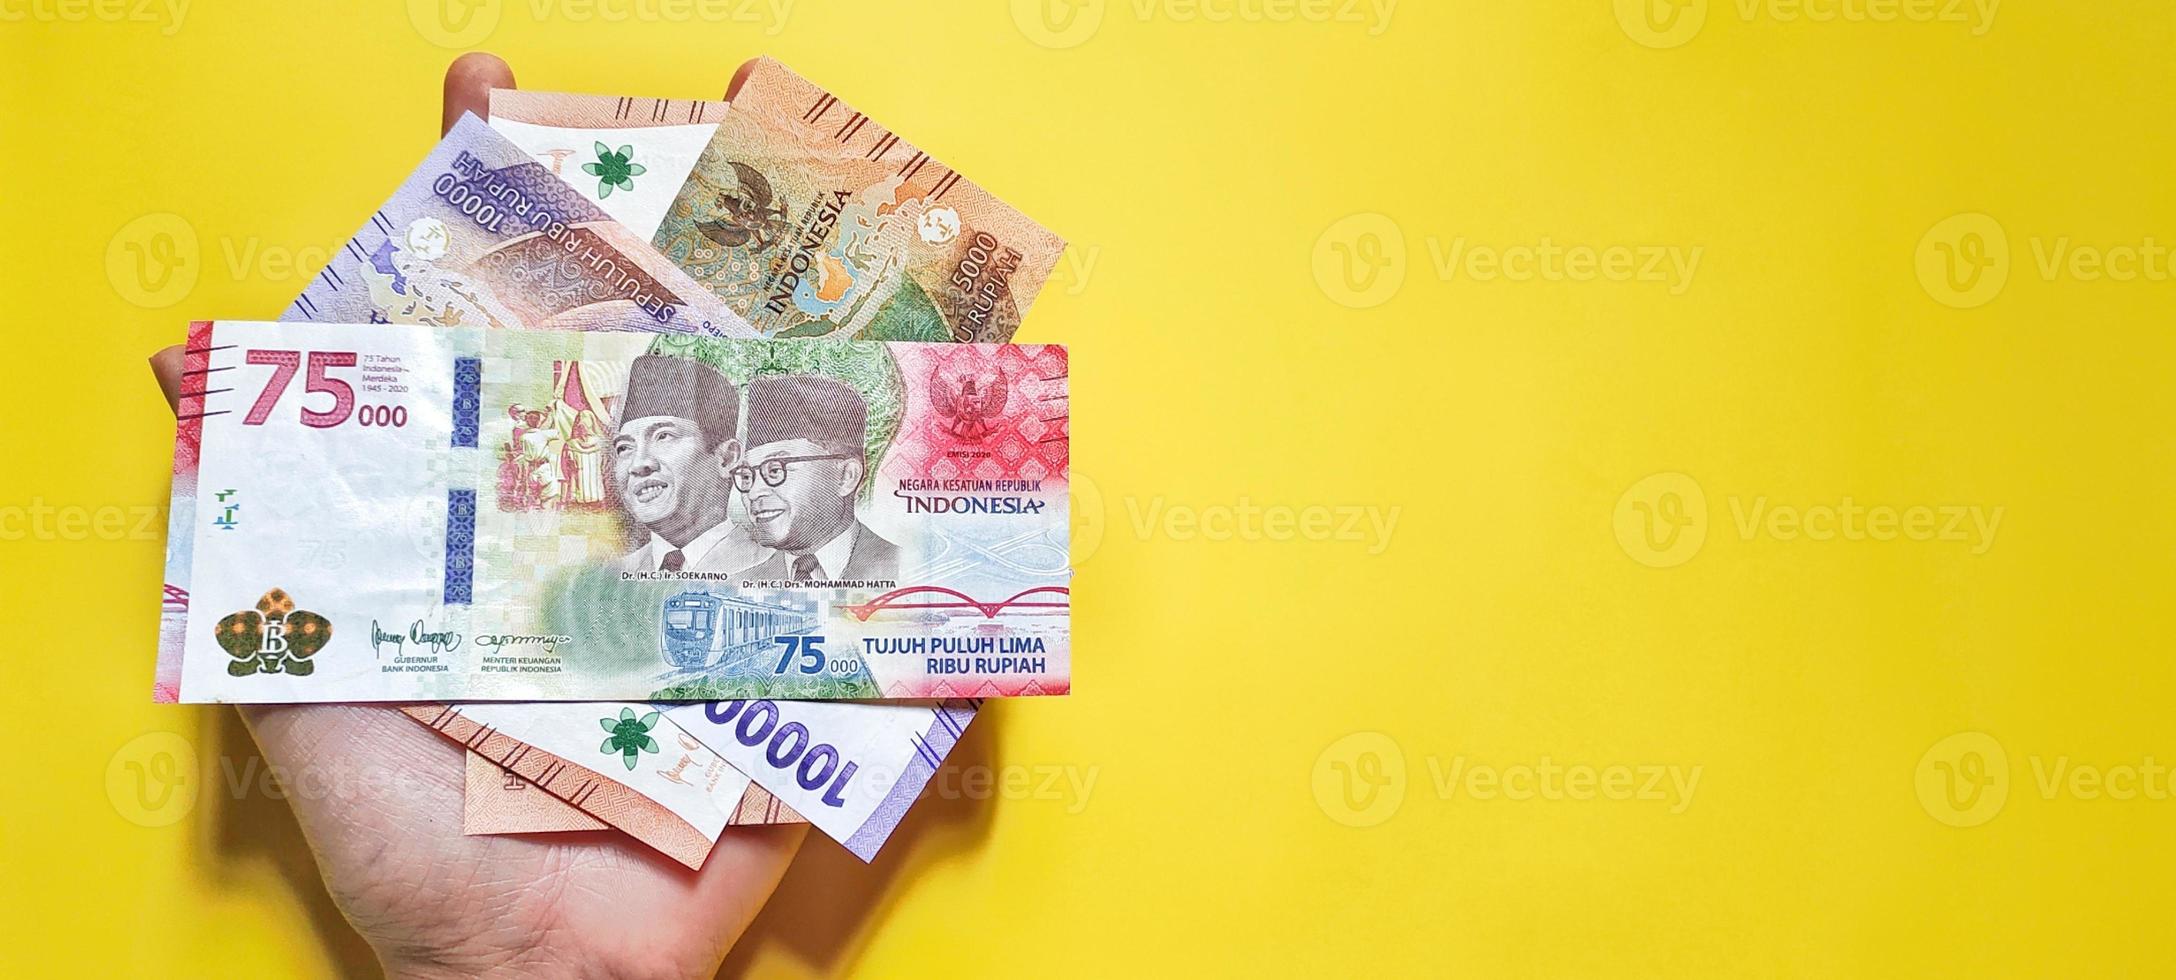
(961, 600)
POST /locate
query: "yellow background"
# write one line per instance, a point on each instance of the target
(1223, 359)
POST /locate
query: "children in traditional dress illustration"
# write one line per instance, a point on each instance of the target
(554, 457)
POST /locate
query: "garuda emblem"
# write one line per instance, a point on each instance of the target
(970, 408)
(747, 215)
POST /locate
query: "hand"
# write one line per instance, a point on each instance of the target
(433, 902)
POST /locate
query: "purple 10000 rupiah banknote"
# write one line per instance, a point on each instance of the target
(851, 768)
(740, 519)
(886, 753)
(482, 235)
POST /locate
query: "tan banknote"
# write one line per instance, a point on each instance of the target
(499, 801)
(687, 795)
(628, 156)
(804, 214)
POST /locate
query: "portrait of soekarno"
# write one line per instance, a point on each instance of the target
(673, 458)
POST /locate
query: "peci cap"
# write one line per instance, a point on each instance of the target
(680, 388)
(806, 406)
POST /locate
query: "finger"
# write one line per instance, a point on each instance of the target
(739, 876)
(469, 81)
(740, 75)
(422, 772)
(166, 366)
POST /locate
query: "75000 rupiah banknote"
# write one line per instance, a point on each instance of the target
(808, 217)
(719, 518)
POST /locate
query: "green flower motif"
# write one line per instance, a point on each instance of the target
(629, 735)
(613, 170)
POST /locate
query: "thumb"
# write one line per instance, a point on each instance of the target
(166, 367)
(469, 81)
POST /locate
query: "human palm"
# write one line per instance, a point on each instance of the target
(434, 902)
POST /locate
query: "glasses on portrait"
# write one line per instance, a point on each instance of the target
(773, 470)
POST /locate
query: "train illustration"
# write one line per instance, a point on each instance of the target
(703, 628)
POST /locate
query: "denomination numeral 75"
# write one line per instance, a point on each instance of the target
(810, 649)
(284, 363)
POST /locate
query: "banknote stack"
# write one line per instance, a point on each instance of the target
(672, 457)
